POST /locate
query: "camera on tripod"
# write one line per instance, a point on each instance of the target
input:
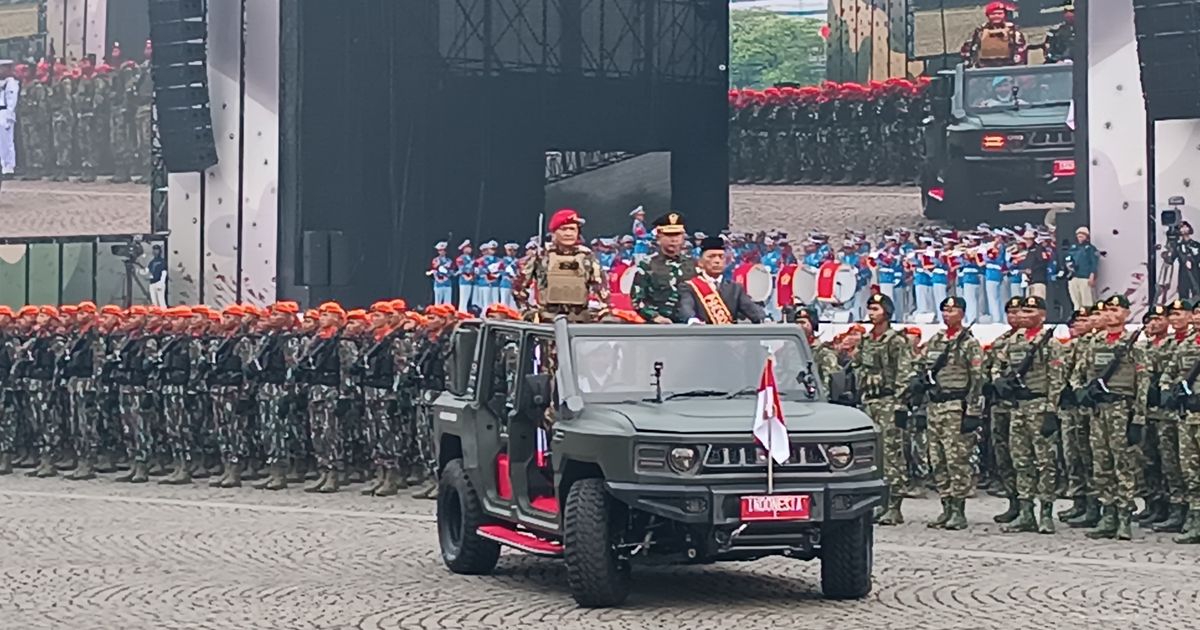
(130, 251)
(1173, 219)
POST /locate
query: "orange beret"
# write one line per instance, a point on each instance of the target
(383, 307)
(5, 310)
(27, 310)
(156, 310)
(69, 309)
(462, 315)
(138, 309)
(399, 305)
(332, 307)
(179, 311)
(357, 315)
(234, 310)
(291, 308)
(913, 330)
(201, 309)
(312, 313)
(419, 319)
(87, 307)
(213, 316)
(110, 309)
(48, 310)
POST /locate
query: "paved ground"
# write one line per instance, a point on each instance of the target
(47, 209)
(832, 209)
(101, 555)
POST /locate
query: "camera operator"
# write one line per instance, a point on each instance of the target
(1183, 250)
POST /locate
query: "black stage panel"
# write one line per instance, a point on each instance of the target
(405, 123)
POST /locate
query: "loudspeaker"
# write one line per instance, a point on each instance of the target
(179, 32)
(314, 252)
(1168, 40)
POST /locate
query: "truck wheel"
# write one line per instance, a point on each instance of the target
(596, 577)
(459, 514)
(847, 557)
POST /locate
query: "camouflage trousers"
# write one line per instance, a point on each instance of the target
(386, 428)
(950, 450)
(1077, 452)
(273, 427)
(1189, 459)
(325, 426)
(1166, 443)
(229, 422)
(1034, 458)
(85, 143)
(177, 423)
(136, 422)
(1001, 451)
(46, 427)
(916, 449)
(64, 131)
(426, 455)
(1114, 462)
(85, 416)
(895, 468)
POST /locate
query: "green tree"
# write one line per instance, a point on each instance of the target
(766, 48)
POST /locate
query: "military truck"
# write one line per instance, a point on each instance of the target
(613, 445)
(997, 136)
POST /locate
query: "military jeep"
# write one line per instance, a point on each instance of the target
(612, 445)
(997, 136)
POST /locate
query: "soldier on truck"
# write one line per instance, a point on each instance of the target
(997, 42)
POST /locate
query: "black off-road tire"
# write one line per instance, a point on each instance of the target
(459, 514)
(596, 577)
(847, 558)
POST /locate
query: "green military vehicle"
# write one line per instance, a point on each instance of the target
(997, 136)
(611, 445)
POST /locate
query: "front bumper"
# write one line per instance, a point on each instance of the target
(720, 506)
(1018, 178)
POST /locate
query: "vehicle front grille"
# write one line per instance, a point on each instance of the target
(722, 458)
(1051, 139)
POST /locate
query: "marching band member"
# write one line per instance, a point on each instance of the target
(464, 270)
(441, 270)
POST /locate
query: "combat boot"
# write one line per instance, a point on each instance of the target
(1046, 523)
(1124, 524)
(141, 473)
(219, 480)
(6, 466)
(182, 475)
(45, 468)
(915, 490)
(299, 470)
(940, 521)
(1078, 506)
(1155, 511)
(427, 491)
(376, 483)
(271, 473)
(104, 464)
(331, 483)
(197, 468)
(1025, 522)
(1176, 517)
(1107, 527)
(278, 479)
(416, 475)
(69, 462)
(175, 469)
(391, 483)
(319, 483)
(958, 515)
(28, 459)
(125, 477)
(893, 515)
(1089, 518)
(234, 480)
(1191, 531)
(1009, 515)
(86, 470)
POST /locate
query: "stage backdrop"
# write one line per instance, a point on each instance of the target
(224, 222)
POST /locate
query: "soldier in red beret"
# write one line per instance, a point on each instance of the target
(566, 276)
(997, 42)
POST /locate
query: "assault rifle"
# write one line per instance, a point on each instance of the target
(926, 382)
(1011, 385)
(1181, 396)
(1097, 390)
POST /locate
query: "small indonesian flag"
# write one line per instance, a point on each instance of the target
(769, 428)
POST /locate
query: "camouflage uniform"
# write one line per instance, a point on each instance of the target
(34, 113)
(882, 364)
(8, 414)
(1076, 445)
(1060, 42)
(87, 101)
(176, 375)
(993, 46)
(657, 284)
(43, 352)
(959, 393)
(274, 358)
(1002, 422)
(1114, 459)
(569, 281)
(1184, 360)
(143, 115)
(120, 122)
(134, 356)
(1161, 427)
(83, 365)
(388, 410)
(825, 360)
(227, 387)
(62, 107)
(1034, 424)
(326, 361)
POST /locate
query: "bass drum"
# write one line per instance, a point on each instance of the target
(759, 283)
(627, 278)
(845, 284)
(804, 286)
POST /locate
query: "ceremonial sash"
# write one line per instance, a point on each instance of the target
(714, 306)
(826, 280)
(784, 289)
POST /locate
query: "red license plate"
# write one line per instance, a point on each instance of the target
(777, 507)
(1064, 168)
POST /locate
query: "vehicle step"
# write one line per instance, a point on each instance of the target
(546, 505)
(523, 541)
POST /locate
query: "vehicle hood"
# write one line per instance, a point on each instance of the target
(709, 415)
(1005, 119)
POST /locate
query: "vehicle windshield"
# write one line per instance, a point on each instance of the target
(997, 90)
(615, 369)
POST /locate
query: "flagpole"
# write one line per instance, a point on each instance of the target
(771, 435)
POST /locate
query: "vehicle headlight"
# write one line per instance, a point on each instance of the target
(840, 455)
(684, 459)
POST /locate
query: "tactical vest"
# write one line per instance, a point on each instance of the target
(566, 280)
(176, 363)
(80, 362)
(994, 43)
(1037, 379)
(131, 368)
(274, 368)
(955, 376)
(881, 369)
(42, 367)
(1123, 382)
(325, 368)
(227, 366)
(381, 368)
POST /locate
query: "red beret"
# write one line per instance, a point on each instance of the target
(564, 217)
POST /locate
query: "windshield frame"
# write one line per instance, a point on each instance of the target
(749, 332)
(970, 75)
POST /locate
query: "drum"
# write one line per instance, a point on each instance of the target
(804, 285)
(627, 280)
(759, 283)
(845, 284)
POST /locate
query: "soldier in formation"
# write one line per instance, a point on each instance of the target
(88, 119)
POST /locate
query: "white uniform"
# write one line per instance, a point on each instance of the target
(10, 92)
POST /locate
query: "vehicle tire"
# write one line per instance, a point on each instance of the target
(459, 514)
(847, 558)
(596, 577)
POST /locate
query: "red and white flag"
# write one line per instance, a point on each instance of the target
(770, 431)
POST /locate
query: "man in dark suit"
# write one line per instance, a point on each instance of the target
(710, 299)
